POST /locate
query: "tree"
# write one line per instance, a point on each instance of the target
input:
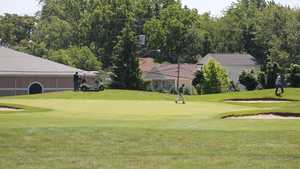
(125, 61)
(248, 79)
(272, 69)
(81, 58)
(261, 78)
(294, 75)
(54, 32)
(216, 78)
(199, 81)
(176, 33)
(261, 28)
(14, 29)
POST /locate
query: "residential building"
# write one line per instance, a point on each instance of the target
(163, 77)
(22, 73)
(234, 64)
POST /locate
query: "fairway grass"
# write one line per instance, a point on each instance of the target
(119, 129)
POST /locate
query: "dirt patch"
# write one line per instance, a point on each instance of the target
(259, 100)
(9, 108)
(266, 116)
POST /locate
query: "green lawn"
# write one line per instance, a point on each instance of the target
(119, 129)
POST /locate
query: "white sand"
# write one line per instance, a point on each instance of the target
(264, 117)
(7, 109)
(258, 101)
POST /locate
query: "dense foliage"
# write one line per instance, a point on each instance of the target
(125, 61)
(272, 70)
(266, 30)
(82, 58)
(215, 78)
(255, 26)
(199, 81)
(248, 79)
(294, 75)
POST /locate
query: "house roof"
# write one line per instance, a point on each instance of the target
(17, 63)
(166, 71)
(146, 64)
(233, 59)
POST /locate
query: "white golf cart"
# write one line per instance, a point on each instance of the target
(94, 87)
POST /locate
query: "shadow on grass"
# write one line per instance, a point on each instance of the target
(260, 99)
(281, 114)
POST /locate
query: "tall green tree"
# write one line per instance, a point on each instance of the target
(125, 61)
(14, 29)
(82, 58)
(216, 78)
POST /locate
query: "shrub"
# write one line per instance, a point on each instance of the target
(174, 91)
(261, 78)
(198, 81)
(272, 69)
(187, 91)
(294, 75)
(248, 79)
(190, 91)
(216, 78)
(199, 89)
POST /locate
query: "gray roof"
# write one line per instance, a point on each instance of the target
(17, 63)
(234, 59)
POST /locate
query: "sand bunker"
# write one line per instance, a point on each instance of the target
(259, 100)
(267, 116)
(3, 108)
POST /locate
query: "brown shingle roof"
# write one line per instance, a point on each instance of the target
(155, 71)
(146, 64)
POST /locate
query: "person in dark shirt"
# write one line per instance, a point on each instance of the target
(76, 81)
(180, 97)
(279, 85)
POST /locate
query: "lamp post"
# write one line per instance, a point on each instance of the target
(178, 73)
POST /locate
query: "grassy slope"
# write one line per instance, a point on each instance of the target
(136, 130)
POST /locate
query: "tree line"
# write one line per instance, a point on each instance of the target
(91, 34)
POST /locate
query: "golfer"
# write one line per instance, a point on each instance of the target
(180, 97)
(76, 82)
(279, 85)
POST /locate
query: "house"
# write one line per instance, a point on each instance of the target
(234, 64)
(21, 73)
(163, 77)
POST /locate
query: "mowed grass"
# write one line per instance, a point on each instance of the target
(119, 129)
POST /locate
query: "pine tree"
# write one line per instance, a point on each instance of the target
(125, 61)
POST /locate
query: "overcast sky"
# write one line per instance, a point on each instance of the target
(30, 7)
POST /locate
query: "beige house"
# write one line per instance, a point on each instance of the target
(163, 77)
(233, 63)
(21, 74)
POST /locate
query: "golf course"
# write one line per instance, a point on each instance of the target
(120, 129)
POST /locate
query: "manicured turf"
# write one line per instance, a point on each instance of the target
(140, 130)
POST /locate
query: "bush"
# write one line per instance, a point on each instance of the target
(216, 78)
(174, 91)
(261, 78)
(294, 75)
(198, 81)
(248, 79)
(199, 89)
(272, 69)
(187, 91)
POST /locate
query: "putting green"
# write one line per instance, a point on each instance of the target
(74, 113)
(141, 130)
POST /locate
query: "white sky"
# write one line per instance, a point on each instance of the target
(216, 7)
(30, 7)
